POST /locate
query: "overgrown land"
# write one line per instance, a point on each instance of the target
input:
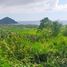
(34, 46)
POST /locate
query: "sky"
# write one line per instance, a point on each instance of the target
(25, 10)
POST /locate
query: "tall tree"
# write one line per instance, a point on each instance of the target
(44, 23)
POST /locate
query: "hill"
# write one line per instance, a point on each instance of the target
(7, 20)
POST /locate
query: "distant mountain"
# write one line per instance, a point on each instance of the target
(29, 22)
(64, 21)
(7, 20)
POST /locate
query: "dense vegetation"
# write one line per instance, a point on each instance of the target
(34, 46)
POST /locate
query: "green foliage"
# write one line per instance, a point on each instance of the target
(24, 46)
(52, 27)
(56, 28)
(64, 31)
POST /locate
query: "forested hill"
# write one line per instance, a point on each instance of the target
(7, 20)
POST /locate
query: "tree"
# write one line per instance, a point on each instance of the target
(45, 23)
(53, 27)
(56, 28)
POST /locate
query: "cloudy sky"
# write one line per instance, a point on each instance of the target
(33, 9)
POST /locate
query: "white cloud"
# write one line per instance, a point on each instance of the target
(30, 6)
(60, 7)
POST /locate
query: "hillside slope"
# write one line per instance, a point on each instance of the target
(7, 20)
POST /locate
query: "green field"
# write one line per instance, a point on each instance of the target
(33, 46)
